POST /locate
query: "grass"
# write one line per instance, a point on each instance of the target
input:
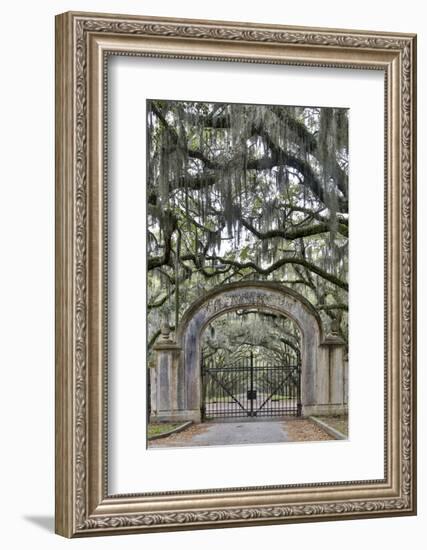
(339, 423)
(161, 427)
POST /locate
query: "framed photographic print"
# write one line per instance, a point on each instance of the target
(235, 274)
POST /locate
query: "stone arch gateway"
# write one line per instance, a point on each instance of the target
(175, 375)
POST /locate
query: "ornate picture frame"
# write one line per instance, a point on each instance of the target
(84, 42)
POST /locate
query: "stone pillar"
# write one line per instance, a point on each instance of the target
(336, 365)
(330, 381)
(320, 385)
(164, 378)
(323, 382)
(337, 373)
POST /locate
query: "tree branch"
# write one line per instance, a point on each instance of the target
(292, 234)
(284, 261)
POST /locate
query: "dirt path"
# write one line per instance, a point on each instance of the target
(303, 429)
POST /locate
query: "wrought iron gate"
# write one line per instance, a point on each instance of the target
(250, 388)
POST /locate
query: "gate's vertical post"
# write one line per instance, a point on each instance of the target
(252, 384)
(345, 379)
(204, 383)
(299, 403)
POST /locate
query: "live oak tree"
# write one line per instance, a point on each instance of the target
(246, 192)
(271, 338)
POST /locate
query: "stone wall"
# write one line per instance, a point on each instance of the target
(176, 377)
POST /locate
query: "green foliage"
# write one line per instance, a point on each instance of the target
(271, 338)
(161, 428)
(239, 192)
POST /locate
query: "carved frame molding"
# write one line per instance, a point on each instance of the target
(83, 43)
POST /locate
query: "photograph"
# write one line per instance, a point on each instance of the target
(247, 273)
(225, 354)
